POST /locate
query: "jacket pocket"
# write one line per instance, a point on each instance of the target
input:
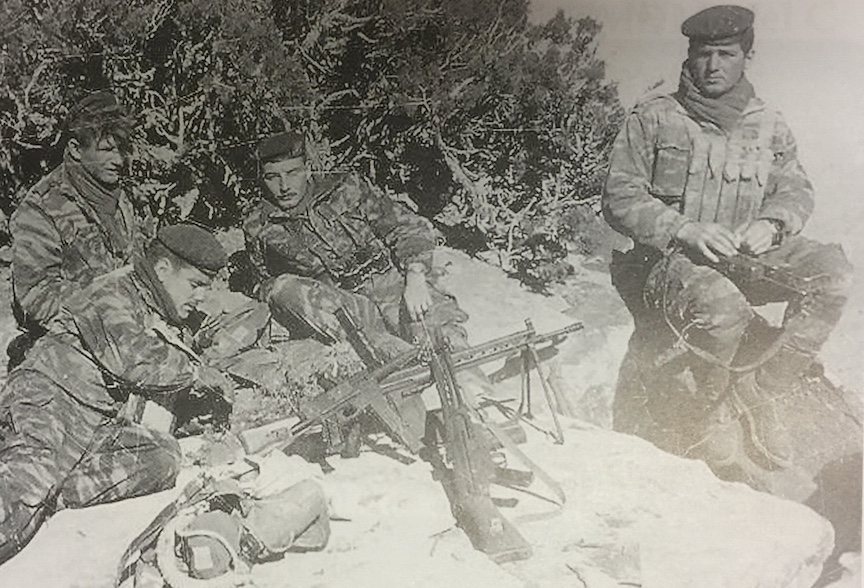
(669, 178)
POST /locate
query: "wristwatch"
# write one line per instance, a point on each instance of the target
(779, 231)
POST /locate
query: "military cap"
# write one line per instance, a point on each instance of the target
(194, 245)
(96, 105)
(285, 145)
(719, 24)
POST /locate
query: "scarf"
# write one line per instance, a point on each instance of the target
(103, 202)
(724, 111)
(165, 306)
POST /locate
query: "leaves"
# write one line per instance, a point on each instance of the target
(463, 106)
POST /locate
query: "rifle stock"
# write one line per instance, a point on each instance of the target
(472, 470)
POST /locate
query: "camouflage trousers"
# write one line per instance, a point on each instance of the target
(713, 312)
(377, 306)
(305, 303)
(57, 453)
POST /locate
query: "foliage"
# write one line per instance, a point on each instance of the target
(493, 126)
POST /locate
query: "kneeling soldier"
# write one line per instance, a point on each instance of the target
(63, 442)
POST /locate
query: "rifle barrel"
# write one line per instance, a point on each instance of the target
(418, 376)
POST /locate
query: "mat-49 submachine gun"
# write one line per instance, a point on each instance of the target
(746, 270)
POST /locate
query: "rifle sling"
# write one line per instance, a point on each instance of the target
(510, 446)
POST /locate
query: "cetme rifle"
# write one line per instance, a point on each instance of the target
(466, 481)
(382, 387)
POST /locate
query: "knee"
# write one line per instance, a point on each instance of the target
(719, 304)
(18, 526)
(837, 271)
(163, 467)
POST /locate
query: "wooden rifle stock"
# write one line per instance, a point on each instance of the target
(467, 480)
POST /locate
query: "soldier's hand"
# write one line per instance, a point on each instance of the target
(416, 295)
(709, 239)
(757, 237)
(211, 380)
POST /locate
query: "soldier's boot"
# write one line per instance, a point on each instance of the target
(720, 438)
(760, 406)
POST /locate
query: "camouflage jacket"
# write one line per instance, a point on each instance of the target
(59, 245)
(667, 168)
(347, 232)
(114, 337)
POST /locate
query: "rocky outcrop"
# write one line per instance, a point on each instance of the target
(634, 516)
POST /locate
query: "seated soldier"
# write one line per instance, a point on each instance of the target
(64, 441)
(320, 242)
(696, 177)
(76, 223)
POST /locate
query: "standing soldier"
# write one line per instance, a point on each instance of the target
(64, 441)
(696, 177)
(76, 223)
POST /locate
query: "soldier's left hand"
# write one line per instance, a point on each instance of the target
(416, 295)
(757, 237)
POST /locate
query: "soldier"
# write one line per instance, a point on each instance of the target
(76, 223)
(63, 439)
(320, 241)
(703, 174)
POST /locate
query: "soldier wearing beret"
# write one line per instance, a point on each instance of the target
(703, 174)
(76, 223)
(67, 438)
(324, 241)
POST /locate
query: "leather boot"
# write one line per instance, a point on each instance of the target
(782, 372)
(720, 440)
(760, 407)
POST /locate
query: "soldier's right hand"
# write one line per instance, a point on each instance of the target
(211, 380)
(709, 239)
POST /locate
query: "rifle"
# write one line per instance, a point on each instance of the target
(381, 388)
(345, 402)
(748, 270)
(467, 481)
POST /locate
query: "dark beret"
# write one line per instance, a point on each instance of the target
(718, 23)
(194, 245)
(286, 145)
(95, 106)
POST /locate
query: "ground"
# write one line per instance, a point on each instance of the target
(633, 515)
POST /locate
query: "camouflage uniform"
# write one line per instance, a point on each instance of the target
(60, 244)
(668, 169)
(61, 441)
(349, 240)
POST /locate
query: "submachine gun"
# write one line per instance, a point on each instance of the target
(746, 270)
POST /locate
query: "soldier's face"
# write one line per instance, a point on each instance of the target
(285, 181)
(186, 286)
(103, 160)
(716, 68)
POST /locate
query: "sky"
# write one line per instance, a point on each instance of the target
(809, 64)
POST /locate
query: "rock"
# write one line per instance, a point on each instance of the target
(633, 516)
(686, 527)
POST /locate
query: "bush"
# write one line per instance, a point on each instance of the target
(492, 125)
